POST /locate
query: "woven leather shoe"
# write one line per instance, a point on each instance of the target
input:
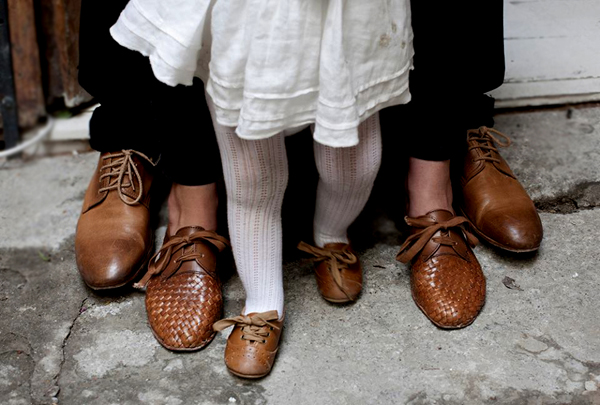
(446, 280)
(338, 271)
(183, 294)
(492, 198)
(113, 240)
(253, 343)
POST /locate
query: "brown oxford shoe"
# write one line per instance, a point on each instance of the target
(183, 295)
(492, 198)
(338, 271)
(253, 343)
(113, 240)
(446, 280)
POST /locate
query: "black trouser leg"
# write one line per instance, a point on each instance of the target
(139, 112)
(459, 56)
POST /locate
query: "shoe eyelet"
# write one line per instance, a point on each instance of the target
(268, 334)
(242, 337)
(271, 328)
(264, 341)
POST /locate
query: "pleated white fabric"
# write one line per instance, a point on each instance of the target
(271, 65)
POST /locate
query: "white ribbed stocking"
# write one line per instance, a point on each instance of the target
(346, 177)
(256, 175)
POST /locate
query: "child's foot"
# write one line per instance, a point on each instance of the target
(253, 343)
(338, 271)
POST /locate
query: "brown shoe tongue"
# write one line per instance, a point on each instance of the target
(188, 230)
(460, 249)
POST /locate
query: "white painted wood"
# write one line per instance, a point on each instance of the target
(552, 52)
(75, 127)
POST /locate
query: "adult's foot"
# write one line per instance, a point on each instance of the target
(447, 283)
(492, 198)
(113, 240)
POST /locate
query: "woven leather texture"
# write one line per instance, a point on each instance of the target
(448, 289)
(182, 309)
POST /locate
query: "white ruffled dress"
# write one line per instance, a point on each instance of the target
(273, 65)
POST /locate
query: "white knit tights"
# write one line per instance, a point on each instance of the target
(256, 175)
(346, 177)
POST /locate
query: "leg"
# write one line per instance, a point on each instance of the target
(256, 175)
(446, 279)
(346, 177)
(139, 119)
(113, 239)
(429, 186)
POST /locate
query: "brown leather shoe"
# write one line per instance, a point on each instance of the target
(338, 272)
(253, 343)
(113, 240)
(446, 279)
(493, 199)
(183, 297)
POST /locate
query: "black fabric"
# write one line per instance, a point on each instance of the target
(139, 112)
(459, 56)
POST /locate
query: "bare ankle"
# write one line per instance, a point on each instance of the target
(193, 206)
(429, 187)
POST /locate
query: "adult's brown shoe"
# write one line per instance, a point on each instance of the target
(113, 240)
(338, 271)
(446, 280)
(492, 198)
(183, 295)
(253, 343)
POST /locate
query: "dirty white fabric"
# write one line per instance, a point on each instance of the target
(271, 65)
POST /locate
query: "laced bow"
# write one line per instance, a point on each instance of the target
(416, 242)
(486, 140)
(338, 260)
(160, 261)
(121, 166)
(254, 326)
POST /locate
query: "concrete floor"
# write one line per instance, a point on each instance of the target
(63, 343)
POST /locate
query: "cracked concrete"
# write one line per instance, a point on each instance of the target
(63, 343)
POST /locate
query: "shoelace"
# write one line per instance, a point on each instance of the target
(416, 242)
(337, 260)
(160, 260)
(256, 328)
(485, 141)
(122, 165)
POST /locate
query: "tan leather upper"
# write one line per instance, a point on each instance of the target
(337, 270)
(113, 238)
(253, 343)
(446, 279)
(493, 199)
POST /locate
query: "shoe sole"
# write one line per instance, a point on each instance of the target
(184, 349)
(338, 300)
(133, 277)
(247, 376)
(492, 241)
